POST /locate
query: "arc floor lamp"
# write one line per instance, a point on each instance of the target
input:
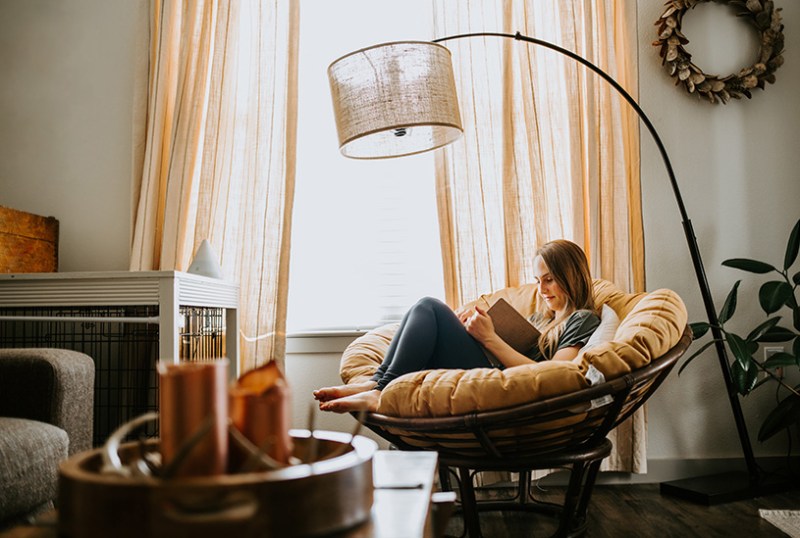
(397, 99)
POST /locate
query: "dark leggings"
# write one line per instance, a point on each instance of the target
(430, 336)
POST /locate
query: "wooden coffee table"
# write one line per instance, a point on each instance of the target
(403, 489)
(401, 508)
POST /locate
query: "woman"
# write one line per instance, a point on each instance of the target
(432, 336)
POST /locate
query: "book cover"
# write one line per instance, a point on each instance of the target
(512, 327)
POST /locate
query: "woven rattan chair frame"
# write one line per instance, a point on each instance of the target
(565, 431)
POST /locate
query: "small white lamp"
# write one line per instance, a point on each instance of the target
(206, 261)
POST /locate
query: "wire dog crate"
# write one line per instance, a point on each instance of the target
(126, 341)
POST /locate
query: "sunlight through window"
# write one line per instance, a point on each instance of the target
(365, 236)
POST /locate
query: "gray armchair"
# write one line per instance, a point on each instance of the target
(46, 398)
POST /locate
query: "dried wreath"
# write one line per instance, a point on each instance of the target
(761, 13)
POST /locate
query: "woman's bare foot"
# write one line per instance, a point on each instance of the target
(361, 401)
(327, 394)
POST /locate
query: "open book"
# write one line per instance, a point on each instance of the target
(512, 327)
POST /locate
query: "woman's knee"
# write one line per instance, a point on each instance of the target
(430, 303)
(443, 315)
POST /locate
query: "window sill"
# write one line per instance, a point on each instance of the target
(326, 333)
(321, 341)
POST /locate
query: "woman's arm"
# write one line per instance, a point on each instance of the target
(480, 326)
(577, 330)
(566, 353)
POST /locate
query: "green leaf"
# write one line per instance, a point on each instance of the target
(739, 348)
(791, 302)
(744, 377)
(751, 266)
(756, 333)
(694, 355)
(752, 347)
(780, 359)
(796, 347)
(796, 278)
(796, 316)
(729, 307)
(777, 334)
(773, 295)
(786, 414)
(699, 329)
(765, 379)
(792, 247)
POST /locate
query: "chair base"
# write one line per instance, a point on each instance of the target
(584, 466)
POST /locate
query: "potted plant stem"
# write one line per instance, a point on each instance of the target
(778, 300)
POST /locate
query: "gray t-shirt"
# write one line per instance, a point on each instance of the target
(578, 327)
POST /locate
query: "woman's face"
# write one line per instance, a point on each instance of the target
(551, 292)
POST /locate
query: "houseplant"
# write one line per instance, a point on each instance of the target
(777, 297)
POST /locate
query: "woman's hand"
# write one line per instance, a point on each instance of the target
(464, 315)
(479, 325)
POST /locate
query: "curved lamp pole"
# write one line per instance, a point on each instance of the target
(398, 99)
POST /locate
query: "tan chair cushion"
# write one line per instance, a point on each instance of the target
(650, 324)
(436, 393)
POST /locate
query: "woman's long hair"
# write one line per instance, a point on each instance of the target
(569, 268)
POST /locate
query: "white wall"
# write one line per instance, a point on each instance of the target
(66, 96)
(737, 169)
(66, 93)
(313, 362)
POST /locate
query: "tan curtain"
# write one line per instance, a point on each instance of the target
(549, 151)
(219, 153)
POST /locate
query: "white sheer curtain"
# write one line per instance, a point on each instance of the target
(218, 155)
(550, 151)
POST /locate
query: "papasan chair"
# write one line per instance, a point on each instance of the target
(540, 416)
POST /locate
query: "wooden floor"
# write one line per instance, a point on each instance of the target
(640, 510)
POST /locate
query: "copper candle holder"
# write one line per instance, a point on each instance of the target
(194, 417)
(259, 409)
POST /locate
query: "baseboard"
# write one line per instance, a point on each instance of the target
(675, 469)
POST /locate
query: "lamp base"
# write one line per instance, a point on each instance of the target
(725, 487)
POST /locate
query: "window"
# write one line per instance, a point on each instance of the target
(365, 236)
